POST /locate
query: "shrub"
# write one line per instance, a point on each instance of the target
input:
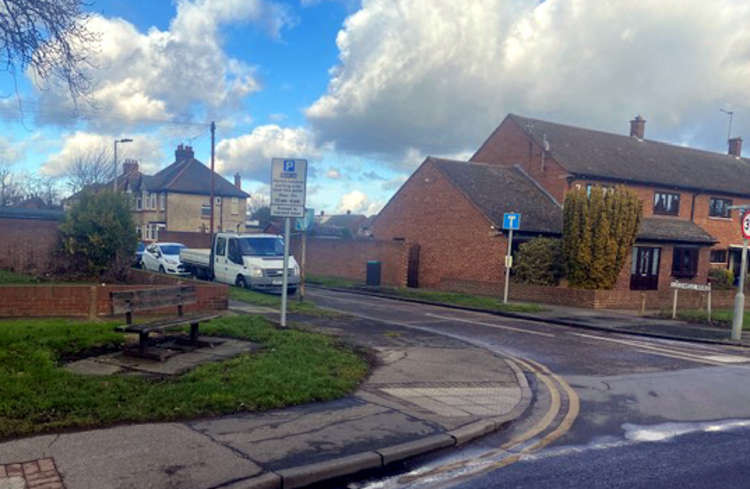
(98, 236)
(721, 278)
(599, 230)
(540, 262)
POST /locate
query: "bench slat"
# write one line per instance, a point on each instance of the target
(164, 324)
(144, 299)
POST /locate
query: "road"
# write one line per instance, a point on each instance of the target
(610, 410)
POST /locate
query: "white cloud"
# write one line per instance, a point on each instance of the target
(333, 173)
(357, 202)
(145, 148)
(437, 77)
(160, 75)
(250, 154)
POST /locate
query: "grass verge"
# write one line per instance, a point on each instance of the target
(719, 317)
(8, 277)
(268, 300)
(452, 298)
(37, 395)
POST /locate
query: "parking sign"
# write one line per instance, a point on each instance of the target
(288, 187)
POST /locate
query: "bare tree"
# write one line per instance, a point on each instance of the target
(50, 37)
(43, 187)
(89, 168)
(10, 190)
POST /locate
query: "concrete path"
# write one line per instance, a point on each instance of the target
(428, 392)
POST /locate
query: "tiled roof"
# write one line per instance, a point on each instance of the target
(671, 229)
(498, 189)
(587, 152)
(186, 176)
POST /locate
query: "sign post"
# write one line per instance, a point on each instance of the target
(288, 188)
(688, 286)
(303, 225)
(511, 222)
(739, 299)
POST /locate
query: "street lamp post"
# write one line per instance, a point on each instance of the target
(738, 317)
(123, 140)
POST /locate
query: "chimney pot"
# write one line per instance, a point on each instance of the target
(735, 147)
(238, 180)
(129, 166)
(638, 127)
(183, 152)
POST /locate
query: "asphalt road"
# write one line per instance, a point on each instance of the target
(653, 413)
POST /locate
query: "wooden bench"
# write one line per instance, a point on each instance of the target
(129, 301)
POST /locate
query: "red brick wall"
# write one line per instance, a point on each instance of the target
(347, 258)
(188, 238)
(454, 236)
(510, 145)
(76, 300)
(26, 245)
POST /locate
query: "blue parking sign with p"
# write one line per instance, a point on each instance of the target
(289, 165)
(511, 220)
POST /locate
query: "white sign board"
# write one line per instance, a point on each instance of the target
(686, 286)
(746, 225)
(288, 187)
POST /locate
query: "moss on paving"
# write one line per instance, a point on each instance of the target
(38, 395)
(274, 301)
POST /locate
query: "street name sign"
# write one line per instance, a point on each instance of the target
(288, 187)
(511, 220)
(687, 286)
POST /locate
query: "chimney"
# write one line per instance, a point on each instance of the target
(238, 180)
(638, 127)
(322, 212)
(735, 147)
(183, 152)
(348, 212)
(129, 166)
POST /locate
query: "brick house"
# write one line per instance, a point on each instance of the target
(453, 209)
(177, 197)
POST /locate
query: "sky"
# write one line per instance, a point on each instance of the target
(365, 90)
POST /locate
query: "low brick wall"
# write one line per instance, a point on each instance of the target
(40, 300)
(594, 299)
(347, 258)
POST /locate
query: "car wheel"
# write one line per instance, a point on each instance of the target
(161, 269)
(291, 290)
(240, 282)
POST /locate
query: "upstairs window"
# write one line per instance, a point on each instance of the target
(720, 208)
(206, 211)
(718, 256)
(684, 262)
(235, 206)
(666, 203)
(162, 201)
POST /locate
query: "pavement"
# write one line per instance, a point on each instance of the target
(427, 392)
(593, 319)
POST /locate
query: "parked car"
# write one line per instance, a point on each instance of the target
(245, 260)
(164, 258)
(138, 262)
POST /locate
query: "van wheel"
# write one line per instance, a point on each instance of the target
(291, 290)
(161, 269)
(240, 282)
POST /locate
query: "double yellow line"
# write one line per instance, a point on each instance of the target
(479, 465)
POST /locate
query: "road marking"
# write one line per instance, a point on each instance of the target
(717, 360)
(491, 325)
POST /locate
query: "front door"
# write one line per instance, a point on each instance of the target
(644, 273)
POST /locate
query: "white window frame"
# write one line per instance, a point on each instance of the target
(153, 201)
(235, 206)
(162, 201)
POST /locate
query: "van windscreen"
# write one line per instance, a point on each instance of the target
(261, 246)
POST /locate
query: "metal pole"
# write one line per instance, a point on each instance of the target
(301, 291)
(213, 134)
(709, 302)
(739, 299)
(507, 268)
(114, 182)
(674, 304)
(285, 281)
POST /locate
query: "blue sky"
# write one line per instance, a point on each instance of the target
(366, 90)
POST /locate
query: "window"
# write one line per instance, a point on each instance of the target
(718, 256)
(206, 211)
(162, 201)
(221, 244)
(589, 186)
(719, 208)
(153, 201)
(666, 203)
(235, 206)
(138, 231)
(684, 262)
(138, 202)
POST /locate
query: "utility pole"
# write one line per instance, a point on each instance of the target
(211, 202)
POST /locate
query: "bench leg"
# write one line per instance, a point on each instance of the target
(142, 342)
(193, 333)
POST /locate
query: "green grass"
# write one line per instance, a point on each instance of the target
(274, 301)
(719, 317)
(37, 395)
(453, 298)
(8, 277)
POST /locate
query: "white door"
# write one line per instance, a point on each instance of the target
(150, 261)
